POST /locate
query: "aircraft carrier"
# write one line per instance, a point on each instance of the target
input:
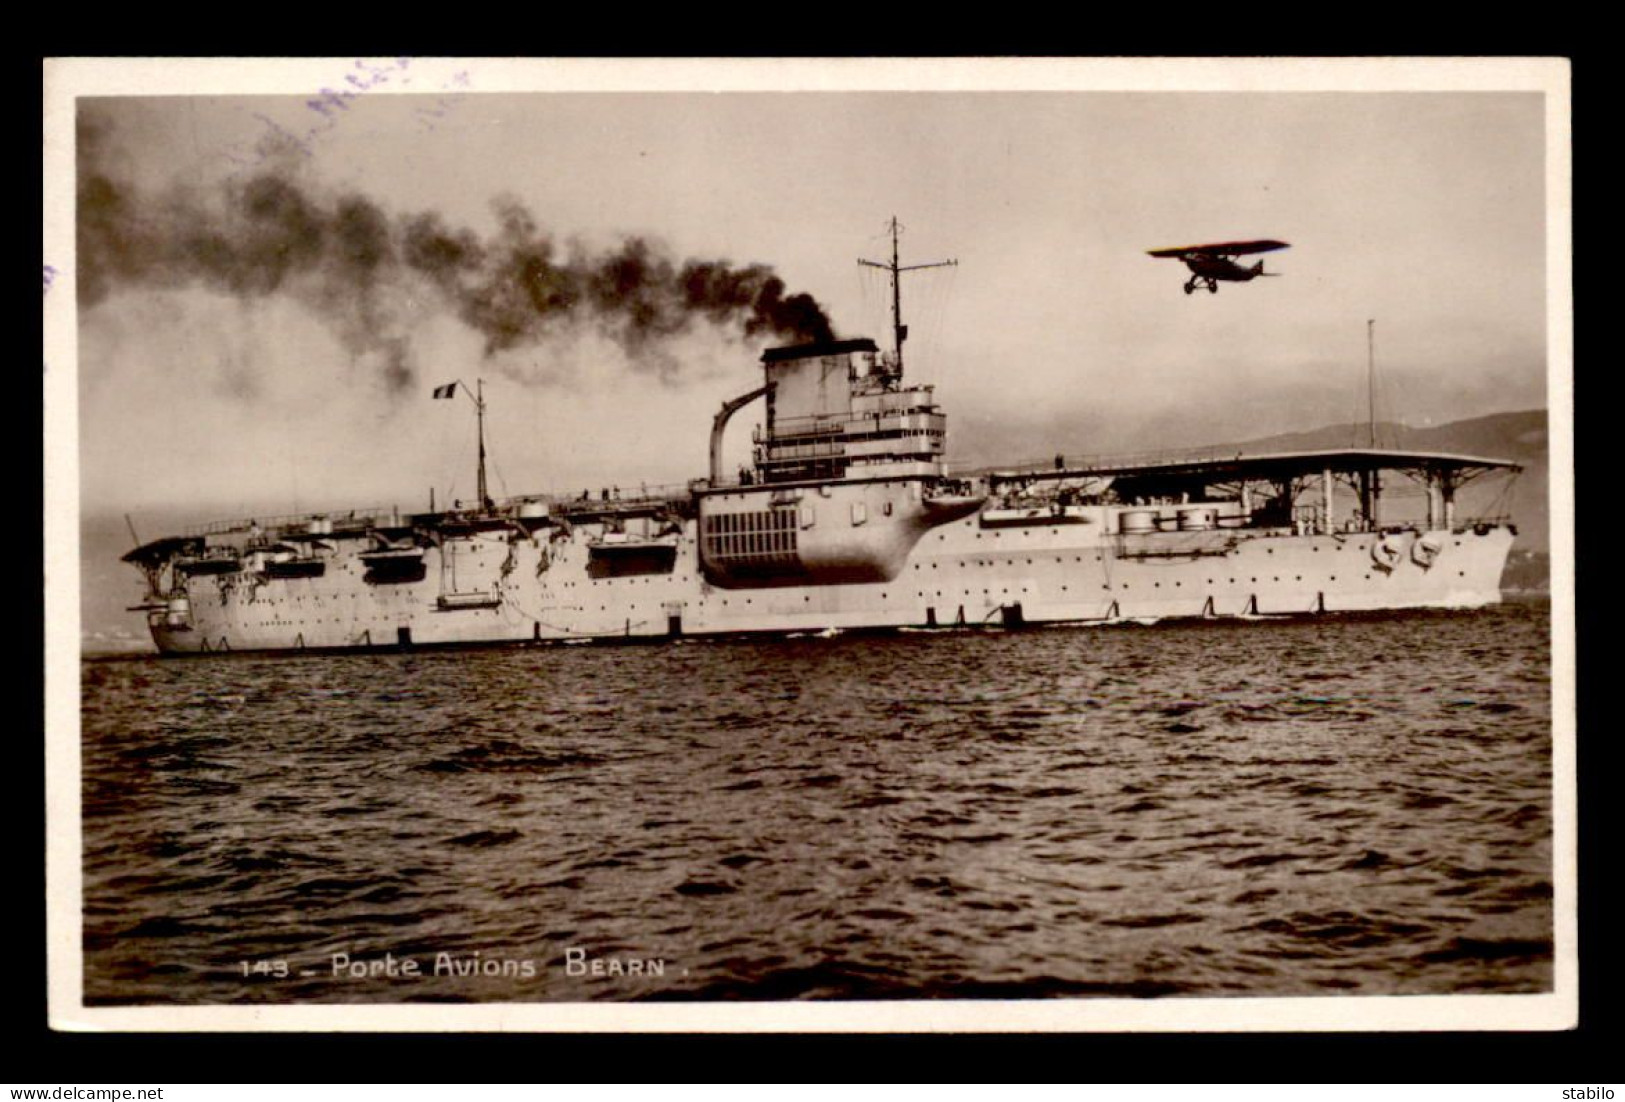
(848, 518)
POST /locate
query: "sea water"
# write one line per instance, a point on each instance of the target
(1328, 806)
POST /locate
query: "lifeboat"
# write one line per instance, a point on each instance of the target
(393, 566)
(295, 568)
(213, 564)
(1033, 516)
(281, 561)
(468, 602)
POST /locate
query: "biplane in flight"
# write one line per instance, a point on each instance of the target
(1211, 263)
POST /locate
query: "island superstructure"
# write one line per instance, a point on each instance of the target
(848, 517)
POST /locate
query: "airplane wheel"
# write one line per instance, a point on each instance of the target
(1189, 289)
(1212, 288)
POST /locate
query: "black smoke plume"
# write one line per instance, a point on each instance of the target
(355, 266)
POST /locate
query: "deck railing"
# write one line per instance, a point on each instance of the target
(1096, 460)
(341, 518)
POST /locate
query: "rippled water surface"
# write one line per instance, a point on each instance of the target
(1345, 805)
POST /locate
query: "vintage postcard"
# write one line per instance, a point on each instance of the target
(809, 545)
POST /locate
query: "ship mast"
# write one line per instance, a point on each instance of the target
(1371, 382)
(899, 330)
(449, 390)
(479, 416)
(1371, 480)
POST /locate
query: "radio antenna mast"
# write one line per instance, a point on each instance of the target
(899, 330)
(1371, 381)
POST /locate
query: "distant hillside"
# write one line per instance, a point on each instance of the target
(1527, 572)
(1518, 437)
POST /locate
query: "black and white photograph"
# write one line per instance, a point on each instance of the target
(809, 544)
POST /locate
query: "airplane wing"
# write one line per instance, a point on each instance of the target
(1222, 248)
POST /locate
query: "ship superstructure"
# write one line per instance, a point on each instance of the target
(847, 518)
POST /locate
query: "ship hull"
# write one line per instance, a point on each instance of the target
(515, 588)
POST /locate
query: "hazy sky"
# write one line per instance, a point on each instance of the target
(1423, 210)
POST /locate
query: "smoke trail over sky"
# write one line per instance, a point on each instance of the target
(369, 273)
(252, 314)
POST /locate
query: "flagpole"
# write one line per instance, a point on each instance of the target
(478, 395)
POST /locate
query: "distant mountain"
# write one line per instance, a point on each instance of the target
(1519, 437)
(1516, 437)
(1527, 572)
